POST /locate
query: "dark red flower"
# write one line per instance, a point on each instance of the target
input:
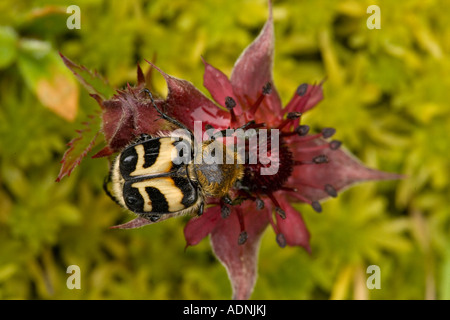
(311, 167)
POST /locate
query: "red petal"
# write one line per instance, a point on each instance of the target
(253, 70)
(240, 260)
(104, 152)
(79, 147)
(129, 114)
(141, 221)
(292, 227)
(187, 104)
(93, 82)
(341, 171)
(219, 86)
(199, 227)
(117, 124)
(140, 77)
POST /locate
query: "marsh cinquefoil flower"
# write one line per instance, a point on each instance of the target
(311, 167)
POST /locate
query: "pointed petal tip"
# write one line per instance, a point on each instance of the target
(382, 175)
(105, 152)
(269, 4)
(133, 224)
(158, 69)
(140, 76)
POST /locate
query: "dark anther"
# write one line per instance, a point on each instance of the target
(335, 144)
(316, 206)
(267, 88)
(302, 130)
(208, 126)
(242, 237)
(294, 115)
(230, 103)
(320, 159)
(330, 190)
(259, 204)
(280, 212)
(281, 240)
(301, 90)
(225, 211)
(328, 132)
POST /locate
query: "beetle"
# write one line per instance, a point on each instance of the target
(158, 175)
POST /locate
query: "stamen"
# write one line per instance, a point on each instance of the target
(265, 91)
(320, 159)
(300, 131)
(259, 204)
(316, 160)
(328, 132)
(290, 116)
(330, 190)
(230, 104)
(280, 212)
(281, 240)
(325, 133)
(335, 144)
(301, 90)
(278, 209)
(300, 99)
(294, 115)
(225, 211)
(314, 204)
(243, 235)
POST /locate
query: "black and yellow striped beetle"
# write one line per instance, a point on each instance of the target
(148, 180)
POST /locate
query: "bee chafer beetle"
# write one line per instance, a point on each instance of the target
(158, 175)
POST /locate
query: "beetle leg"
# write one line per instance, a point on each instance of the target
(152, 217)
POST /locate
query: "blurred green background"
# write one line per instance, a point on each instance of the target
(387, 93)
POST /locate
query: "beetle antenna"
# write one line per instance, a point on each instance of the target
(170, 119)
(163, 115)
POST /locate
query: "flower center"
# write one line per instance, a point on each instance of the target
(270, 172)
(270, 162)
